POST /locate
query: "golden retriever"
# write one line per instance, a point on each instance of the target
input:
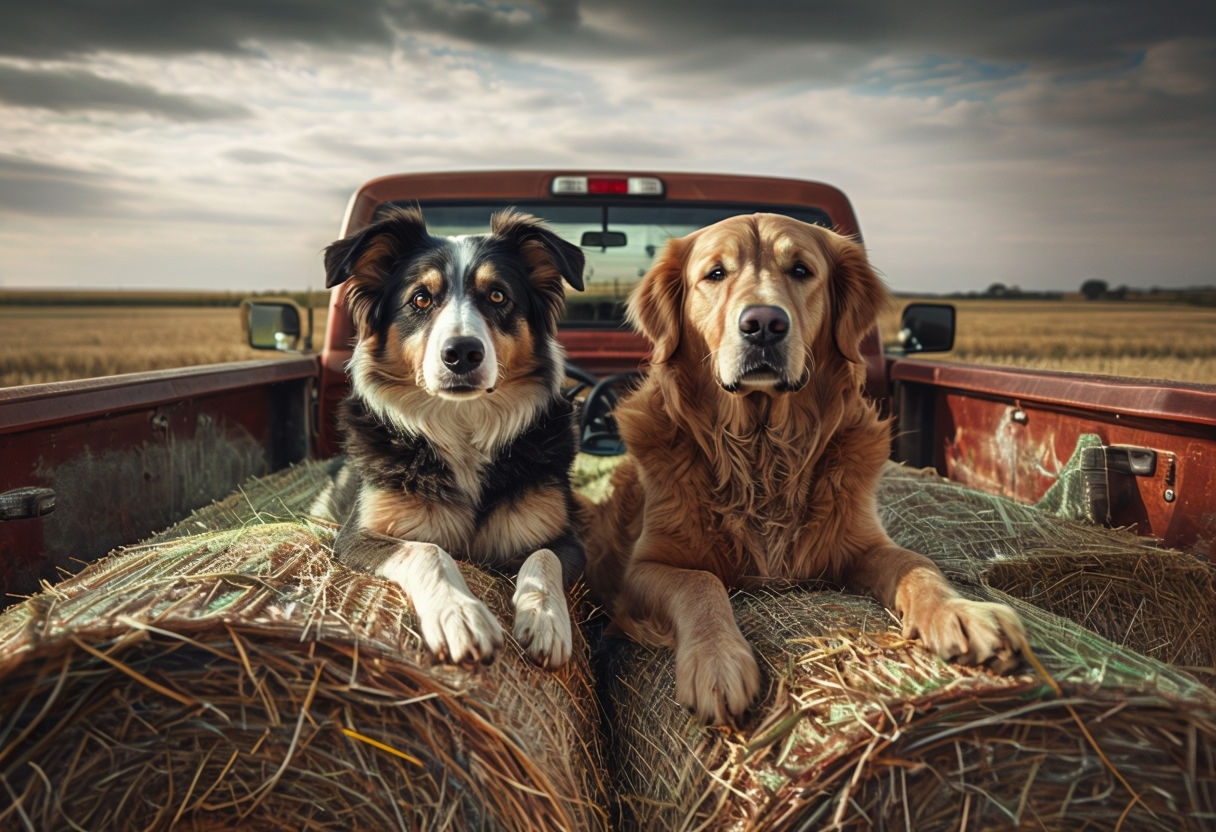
(754, 456)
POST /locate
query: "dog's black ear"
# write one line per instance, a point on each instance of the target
(367, 260)
(537, 243)
(342, 257)
(858, 295)
(656, 306)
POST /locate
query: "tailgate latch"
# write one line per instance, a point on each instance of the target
(26, 503)
(1110, 473)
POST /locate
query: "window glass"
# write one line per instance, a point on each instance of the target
(620, 240)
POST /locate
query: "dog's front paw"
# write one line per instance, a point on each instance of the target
(455, 625)
(542, 627)
(460, 629)
(542, 620)
(969, 632)
(717, 678)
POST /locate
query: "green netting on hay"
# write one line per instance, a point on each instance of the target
(229, 673)
(861, 729)
(1160, 602)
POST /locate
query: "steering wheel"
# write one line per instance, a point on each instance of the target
(598, 434)
(582, 380)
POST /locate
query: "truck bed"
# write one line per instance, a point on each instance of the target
(227, 668)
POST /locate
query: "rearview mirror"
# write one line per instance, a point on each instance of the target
(603, 239)
(926, 327)
(272, 325)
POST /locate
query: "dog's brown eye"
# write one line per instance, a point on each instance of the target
(716, 273)
(497, 297)
(422, 300)
(801, 271)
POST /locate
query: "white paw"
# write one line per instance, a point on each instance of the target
(460, 629)
(455, 625)
(542, 627)
(542, 620)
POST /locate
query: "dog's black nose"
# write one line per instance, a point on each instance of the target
(764, 324)
(463, 354)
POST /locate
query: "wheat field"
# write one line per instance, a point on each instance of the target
(56, 343)
(1134, 339)
(40, 343)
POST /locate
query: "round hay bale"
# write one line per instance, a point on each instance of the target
(1160, 602)
(862, 729)
(1157, 603)
(243, 679)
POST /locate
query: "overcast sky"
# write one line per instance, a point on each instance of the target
(214, 145)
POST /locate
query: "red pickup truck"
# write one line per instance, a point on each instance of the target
(242, 676)
(90, 465)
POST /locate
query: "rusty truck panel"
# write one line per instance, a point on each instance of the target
(1151, 462)
(118, 458)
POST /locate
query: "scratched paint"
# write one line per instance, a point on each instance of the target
(983, 445)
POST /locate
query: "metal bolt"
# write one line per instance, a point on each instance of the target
(1169, 495)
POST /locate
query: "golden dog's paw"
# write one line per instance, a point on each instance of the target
(460, 630)
(717, 678)
(542, 627)
(969, 632)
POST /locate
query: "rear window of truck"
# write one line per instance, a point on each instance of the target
(620, 239)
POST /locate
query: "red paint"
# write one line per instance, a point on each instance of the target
(129, 455)
(1010, 432)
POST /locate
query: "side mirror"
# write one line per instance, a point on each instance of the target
(272, 325)
(926, 327)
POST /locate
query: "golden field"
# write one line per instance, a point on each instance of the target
(1118, 338)
(54, 343)
(1148, 340)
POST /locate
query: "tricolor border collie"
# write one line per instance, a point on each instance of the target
(456, 427)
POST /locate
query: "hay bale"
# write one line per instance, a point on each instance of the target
(229, 673)
(286, 496)
(1160, 602)
(242, 678)
(861, 729)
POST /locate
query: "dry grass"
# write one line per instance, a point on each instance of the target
(1140, 340)
(230, 674)
(1145, 340)
(861, 729)
(1159, 602)
(55, 343)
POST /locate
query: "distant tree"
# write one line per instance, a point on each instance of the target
(1094, 289)
(996, 290)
